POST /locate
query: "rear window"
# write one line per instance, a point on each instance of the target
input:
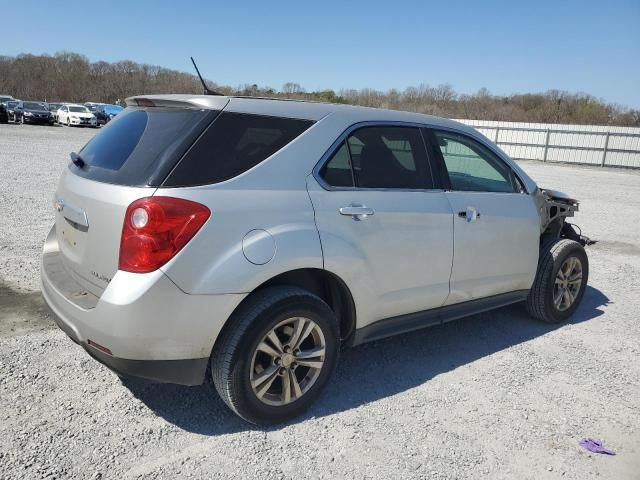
(233, 144)
(140, 146)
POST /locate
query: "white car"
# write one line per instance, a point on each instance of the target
(76, 115)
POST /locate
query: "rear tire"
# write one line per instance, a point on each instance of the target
(239, 361)
(561, 279)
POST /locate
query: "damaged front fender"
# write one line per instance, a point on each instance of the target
(554, 208)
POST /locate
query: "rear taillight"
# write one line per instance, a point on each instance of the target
(155, 229)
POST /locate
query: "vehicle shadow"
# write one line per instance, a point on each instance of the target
(372, 371)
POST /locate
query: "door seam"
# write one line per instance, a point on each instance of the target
(453, 245)
(315, 220)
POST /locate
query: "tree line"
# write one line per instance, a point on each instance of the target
(71, 77)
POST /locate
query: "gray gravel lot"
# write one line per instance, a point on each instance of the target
(497, 395)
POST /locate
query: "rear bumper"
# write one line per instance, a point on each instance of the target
(182, 372)
(152, 328)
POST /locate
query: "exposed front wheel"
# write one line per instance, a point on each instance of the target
(561, 279)
(276, 355)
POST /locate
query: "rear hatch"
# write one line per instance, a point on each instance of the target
(128, 159)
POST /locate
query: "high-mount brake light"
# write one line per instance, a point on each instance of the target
(144, 102)
(155, 229)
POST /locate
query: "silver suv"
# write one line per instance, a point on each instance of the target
(241, 241)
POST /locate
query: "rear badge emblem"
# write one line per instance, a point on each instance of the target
(100, 277)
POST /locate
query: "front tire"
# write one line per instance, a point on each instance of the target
(276, 355)
(561, 279)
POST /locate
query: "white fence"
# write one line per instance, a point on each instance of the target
(584, 144)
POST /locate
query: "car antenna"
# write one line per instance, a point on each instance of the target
(207, 90)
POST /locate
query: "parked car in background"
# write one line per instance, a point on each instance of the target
(53, 108)
(92, 106)
(4, 111)
(11, 110)
(240, 241)
(78, 115)
(105, 113)
(4, 114)
(33, 112)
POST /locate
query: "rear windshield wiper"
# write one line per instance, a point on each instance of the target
(77, 160)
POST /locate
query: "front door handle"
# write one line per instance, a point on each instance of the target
(470, 214)
(358, 212)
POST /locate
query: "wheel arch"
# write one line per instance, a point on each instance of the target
(322, 283)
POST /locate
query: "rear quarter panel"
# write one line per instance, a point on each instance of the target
(214, 261)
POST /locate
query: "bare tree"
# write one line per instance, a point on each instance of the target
(68, 76)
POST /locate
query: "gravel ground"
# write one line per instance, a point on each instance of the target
(497, 395)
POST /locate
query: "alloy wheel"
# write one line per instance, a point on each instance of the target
(567, 284)
(287, 361)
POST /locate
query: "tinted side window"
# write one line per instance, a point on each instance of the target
(234, 143)
(337, 171)
(471, 166)
(389, 157)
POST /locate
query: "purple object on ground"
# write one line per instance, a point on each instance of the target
(595, 446)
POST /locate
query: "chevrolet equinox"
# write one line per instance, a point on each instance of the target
(240, 241)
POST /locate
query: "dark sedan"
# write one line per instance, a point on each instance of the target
(33, 112)
(105, 113)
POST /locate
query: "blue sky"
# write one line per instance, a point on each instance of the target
(505, 46)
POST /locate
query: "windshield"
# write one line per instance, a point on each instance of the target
(113, 109)
(12, 104)
(54, 106)
(79, 109)
(34, 106)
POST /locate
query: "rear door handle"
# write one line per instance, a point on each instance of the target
(470, 214)
(358, 212)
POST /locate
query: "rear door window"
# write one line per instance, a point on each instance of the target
(337, 171)
(380, 157)
(233, 144)
(140, 146)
